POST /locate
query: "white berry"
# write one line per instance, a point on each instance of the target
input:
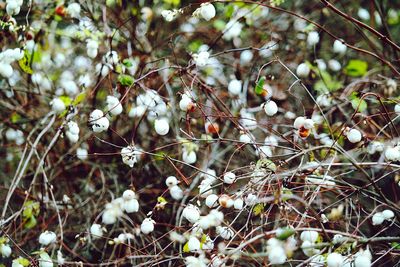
(212, 201)
(147, 226)
(235, 87)
(354, 136)
(229, 177)
(303, 70)
(270, 108)
(47, 238)
(161, 126)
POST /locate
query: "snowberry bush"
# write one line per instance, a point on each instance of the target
(199, 133)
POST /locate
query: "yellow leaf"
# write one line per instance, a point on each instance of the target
(25, 62)
(186, 247)
(258, 209)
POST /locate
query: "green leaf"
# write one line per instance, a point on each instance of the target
(229, 11)
(31, 208)
(395, 245)
(24, 262)
(219, 25)
(79, 98)
(126, 80)
(326, 83)
(127, 63)
(260, 86)
(194, 46)
(66, 100)
(15, 117)
(356, 102)
(360, 104)
(32, 222)
(284, 233)
(356, 68)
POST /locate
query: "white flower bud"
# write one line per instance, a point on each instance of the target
(96, 230)
(6, 70)
(303, 70)
(191, 213)
(147, 226)
(212, 201)
(270, 108)
(161, 126)
(334, 260)
(47, 238)
(171, 181)
(235, 87)
(354, 136)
